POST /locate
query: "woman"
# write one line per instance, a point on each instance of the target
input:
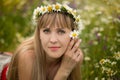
(51, 54)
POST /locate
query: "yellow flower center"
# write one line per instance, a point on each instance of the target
(109, 72)
(74, 34)
(102, 61)
(50, 8)
(57, 7)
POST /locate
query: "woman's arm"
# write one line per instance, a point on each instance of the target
(61, 74)
(71, 58)
(25, 63)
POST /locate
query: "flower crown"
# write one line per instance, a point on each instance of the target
(39, 11)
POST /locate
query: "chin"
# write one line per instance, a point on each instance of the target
(55, 56)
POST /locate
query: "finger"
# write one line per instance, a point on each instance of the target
(80, 56)
(75, 47)
(71, 44)
(76, 57)
(77, 52)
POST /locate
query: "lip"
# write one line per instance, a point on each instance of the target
(54, 48)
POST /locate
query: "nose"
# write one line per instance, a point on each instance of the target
(53, 38)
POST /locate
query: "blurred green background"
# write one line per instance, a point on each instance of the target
(100, 38)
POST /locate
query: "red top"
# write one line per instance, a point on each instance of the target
(4, 72)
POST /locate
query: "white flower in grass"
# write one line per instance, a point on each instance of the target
(87, 58)
(110, 72)
(74, 34)
(104, 69)
(103, 78)
(117, 55)
(107, 61)
(113, 63)
(102, 61)
(96, 78)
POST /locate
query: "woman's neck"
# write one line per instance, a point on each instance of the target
(52, 67)
(50, 62)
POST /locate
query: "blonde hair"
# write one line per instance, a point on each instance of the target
(13, 67)
(39, 64)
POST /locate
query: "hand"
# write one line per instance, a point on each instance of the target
(72, 56)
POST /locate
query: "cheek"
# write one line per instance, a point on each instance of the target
(43, 40)
(66, 41)
(44, 43)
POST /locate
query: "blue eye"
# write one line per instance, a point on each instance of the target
(46, 31)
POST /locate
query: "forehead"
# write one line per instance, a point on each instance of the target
(55, 28)
(55, 20)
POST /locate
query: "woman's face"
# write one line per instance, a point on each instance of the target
(54, 41)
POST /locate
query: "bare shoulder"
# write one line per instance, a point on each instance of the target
(26, 56)
(25, 63)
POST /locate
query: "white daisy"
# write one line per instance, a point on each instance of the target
(36, 13)
(43, 9)
(74, 12)
(57, 7)
(69, 10)
(49, 8)
(74, 34)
